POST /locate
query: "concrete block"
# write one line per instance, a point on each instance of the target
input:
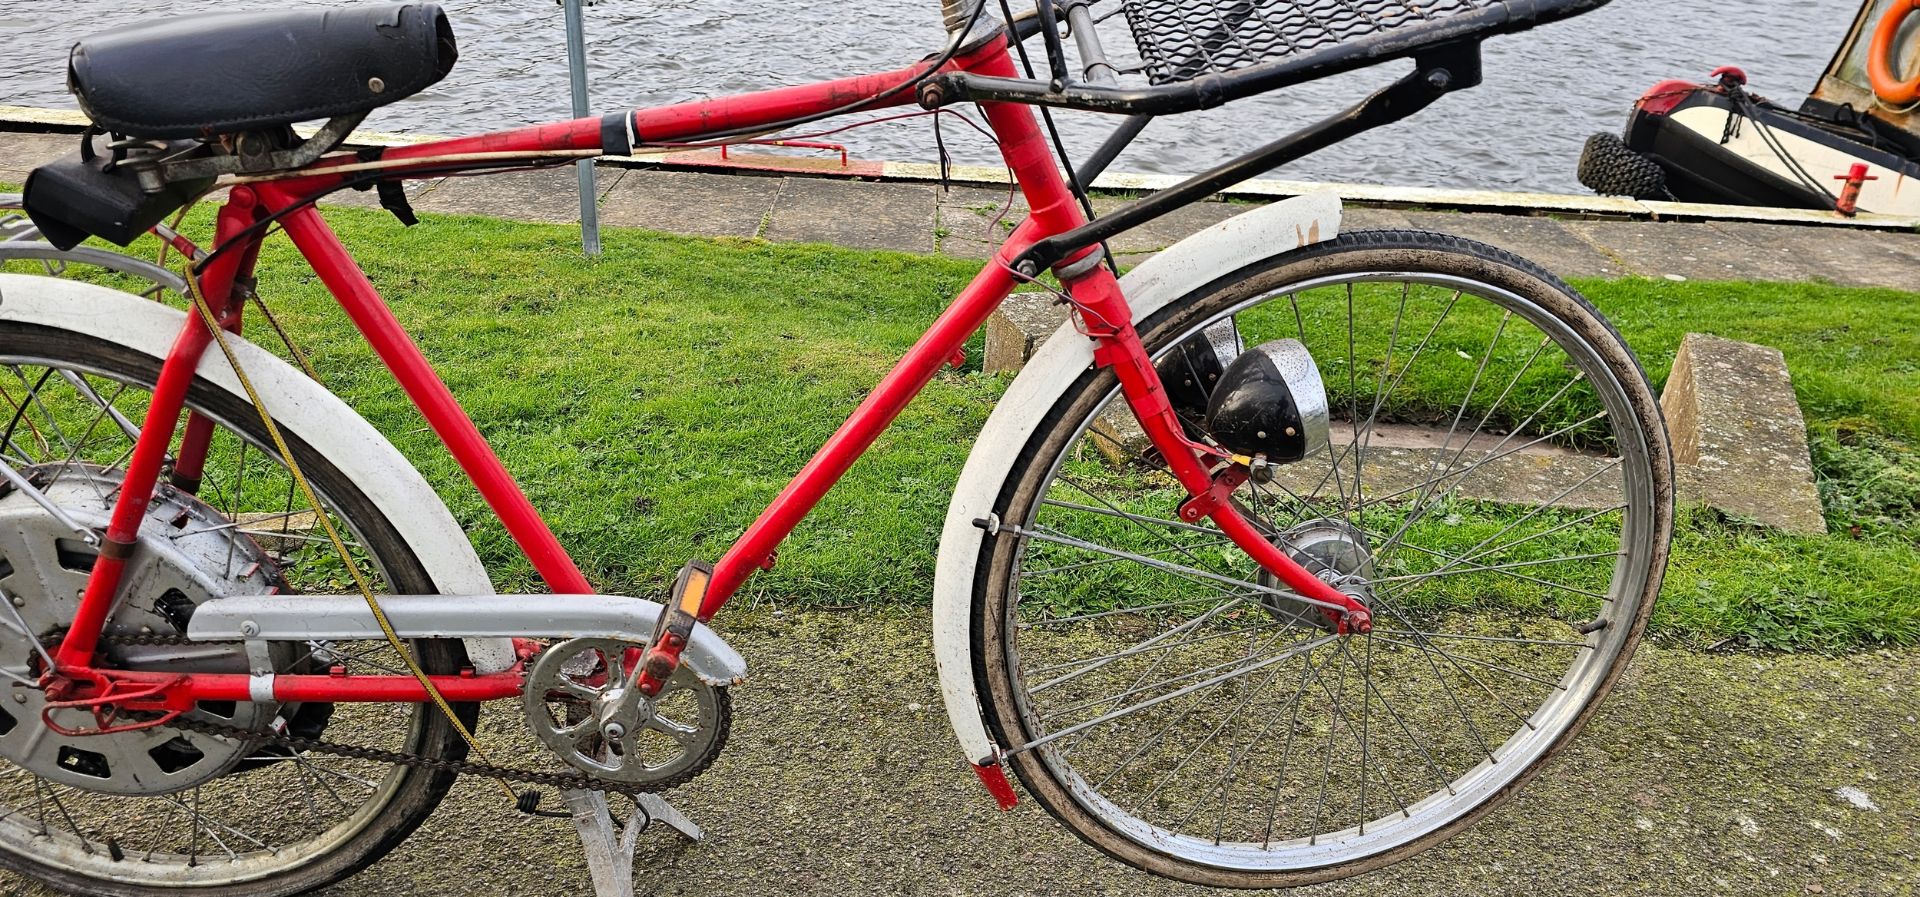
(1739, 440)
(1117, 434)
(1016, 329)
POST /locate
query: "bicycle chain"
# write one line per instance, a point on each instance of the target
(380, 755)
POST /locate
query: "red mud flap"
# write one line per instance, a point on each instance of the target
(994, 776)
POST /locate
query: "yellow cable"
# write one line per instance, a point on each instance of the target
(333, 535)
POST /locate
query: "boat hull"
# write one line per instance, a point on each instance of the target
(1714, 149)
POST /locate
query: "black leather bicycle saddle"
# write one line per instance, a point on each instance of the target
(203, 75)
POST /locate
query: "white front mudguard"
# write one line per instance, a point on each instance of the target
(1180, 269)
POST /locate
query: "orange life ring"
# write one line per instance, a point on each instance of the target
(1880, 62)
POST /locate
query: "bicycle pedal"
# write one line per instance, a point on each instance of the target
(676, 624)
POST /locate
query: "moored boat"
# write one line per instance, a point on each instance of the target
(1854, 142)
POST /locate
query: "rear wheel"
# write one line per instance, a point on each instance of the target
(1496, 488)
(166, 811)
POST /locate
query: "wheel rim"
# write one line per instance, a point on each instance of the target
(1250, 700)
(273, 813)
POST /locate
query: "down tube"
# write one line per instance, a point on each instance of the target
(945, 338)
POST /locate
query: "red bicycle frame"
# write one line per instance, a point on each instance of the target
(1206, 472)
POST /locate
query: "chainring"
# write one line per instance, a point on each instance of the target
(577, 702)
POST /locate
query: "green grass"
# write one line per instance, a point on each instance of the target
(654, 400)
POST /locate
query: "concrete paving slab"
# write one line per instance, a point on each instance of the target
(1852, 258)
(1545, 241)
(25, 152)
(966, 220)
(1702, 775)
(1362, 218)
(550, 195)
(370, 199)
(854, 213)
(1692, 250)
(685, 203)
(1167, 230)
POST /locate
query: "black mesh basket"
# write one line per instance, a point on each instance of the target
(1180, 40)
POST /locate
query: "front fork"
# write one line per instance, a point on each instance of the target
(1209, 474)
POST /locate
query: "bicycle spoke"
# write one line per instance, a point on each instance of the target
(1261, 664)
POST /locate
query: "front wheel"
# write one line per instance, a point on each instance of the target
(1496, 488)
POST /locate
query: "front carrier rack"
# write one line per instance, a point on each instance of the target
(1197, 54)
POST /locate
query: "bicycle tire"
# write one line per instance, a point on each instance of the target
(1010, 705)
(406, 798)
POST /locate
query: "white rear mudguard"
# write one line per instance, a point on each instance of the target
(303, 407)
(1180, 269)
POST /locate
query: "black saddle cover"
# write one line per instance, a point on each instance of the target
(210, 74)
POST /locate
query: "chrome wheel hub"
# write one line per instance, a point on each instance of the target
(1332, 549)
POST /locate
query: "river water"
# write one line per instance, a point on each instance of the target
(1545, 90)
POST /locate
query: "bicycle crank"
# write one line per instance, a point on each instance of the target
(581, 702)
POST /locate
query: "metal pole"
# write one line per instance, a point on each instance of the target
(577, 69)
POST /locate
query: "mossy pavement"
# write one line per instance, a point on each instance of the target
(1704, 774)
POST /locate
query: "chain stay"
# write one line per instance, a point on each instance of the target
(565, 781)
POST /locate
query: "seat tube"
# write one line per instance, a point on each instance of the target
(156, 437)
(190, 461)
(429, 394)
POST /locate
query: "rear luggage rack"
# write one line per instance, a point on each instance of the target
(1195, 54)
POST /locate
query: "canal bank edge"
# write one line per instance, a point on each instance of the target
(32, 119)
